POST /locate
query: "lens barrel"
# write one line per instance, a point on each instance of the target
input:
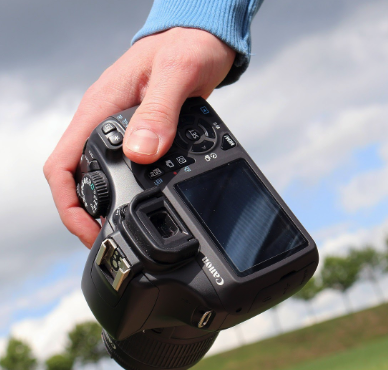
(176, 348)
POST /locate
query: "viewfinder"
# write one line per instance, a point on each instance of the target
(163, 223)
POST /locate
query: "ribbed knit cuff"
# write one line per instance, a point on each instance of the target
(229, 20)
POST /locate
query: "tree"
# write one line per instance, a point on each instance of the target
(18, 356)
(340, 273)
(85, 343)
(385, 256)
(59, 362)
(308, 292)
(371, 264)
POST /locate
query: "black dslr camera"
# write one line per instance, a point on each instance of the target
(193, 244)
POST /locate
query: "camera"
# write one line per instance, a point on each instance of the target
(191, 245)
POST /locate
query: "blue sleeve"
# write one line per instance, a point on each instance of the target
(229, 20)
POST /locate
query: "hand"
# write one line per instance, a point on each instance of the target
(158, 71)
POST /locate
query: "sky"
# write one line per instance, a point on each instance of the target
(311, 110)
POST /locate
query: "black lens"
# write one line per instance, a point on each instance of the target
(176, 348)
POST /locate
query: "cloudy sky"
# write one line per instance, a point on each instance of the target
(312, 110)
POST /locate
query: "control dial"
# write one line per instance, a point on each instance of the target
(94, 193)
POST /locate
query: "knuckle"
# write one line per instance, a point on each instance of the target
(99, 90)
(180, 62)
(92, 91)
(112, 90)
(93, 94)
(47, 169)
(185, 67)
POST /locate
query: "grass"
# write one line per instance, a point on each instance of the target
(371, 356)
(359, 339)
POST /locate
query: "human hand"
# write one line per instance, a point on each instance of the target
(159, 72)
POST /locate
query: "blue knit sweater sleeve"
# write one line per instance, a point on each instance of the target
(229, 20)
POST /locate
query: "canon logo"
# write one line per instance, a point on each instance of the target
(213, 271)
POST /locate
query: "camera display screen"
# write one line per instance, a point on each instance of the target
(244, 220)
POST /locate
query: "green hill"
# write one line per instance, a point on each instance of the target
(358, 341)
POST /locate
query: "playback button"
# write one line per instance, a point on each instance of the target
(108, 127)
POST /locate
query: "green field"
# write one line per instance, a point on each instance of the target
(357, 341)
(370, 356)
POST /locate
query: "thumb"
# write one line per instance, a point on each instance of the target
(152, 128)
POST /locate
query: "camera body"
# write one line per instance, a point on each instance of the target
(193, 244)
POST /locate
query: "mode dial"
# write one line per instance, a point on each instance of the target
(94, 193)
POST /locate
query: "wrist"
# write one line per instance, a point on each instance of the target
(229, 21)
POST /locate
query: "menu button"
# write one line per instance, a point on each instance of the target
(227, 142)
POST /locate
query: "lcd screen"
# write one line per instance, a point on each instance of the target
(245, 221)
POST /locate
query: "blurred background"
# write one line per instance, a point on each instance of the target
(312, 111)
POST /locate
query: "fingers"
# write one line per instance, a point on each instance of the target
(193, 64)
(107, 96)
(152, 128)
(160, 71)
(112, 93)
(76, 219)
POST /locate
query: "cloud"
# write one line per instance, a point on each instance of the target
(304, 112)
(330, 146)
(299, 116)
(33, 238)
(36, 299)
(365, 190)
(313, 102)
(48, 335)
(339, 244)
(368, 188)
(39, 45)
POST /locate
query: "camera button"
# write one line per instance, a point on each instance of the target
(193, 134)
(227, 142)
(207, 128)
(83, 164)
(184, 161)
(202, 147)
(154, 173)
(94, 166)
(170, 164)
(115, 138)
(108, 127)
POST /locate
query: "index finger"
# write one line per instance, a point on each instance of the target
(98, 103)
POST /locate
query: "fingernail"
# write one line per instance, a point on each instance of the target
(143, 141)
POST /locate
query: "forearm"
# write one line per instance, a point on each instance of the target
(229, 20)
